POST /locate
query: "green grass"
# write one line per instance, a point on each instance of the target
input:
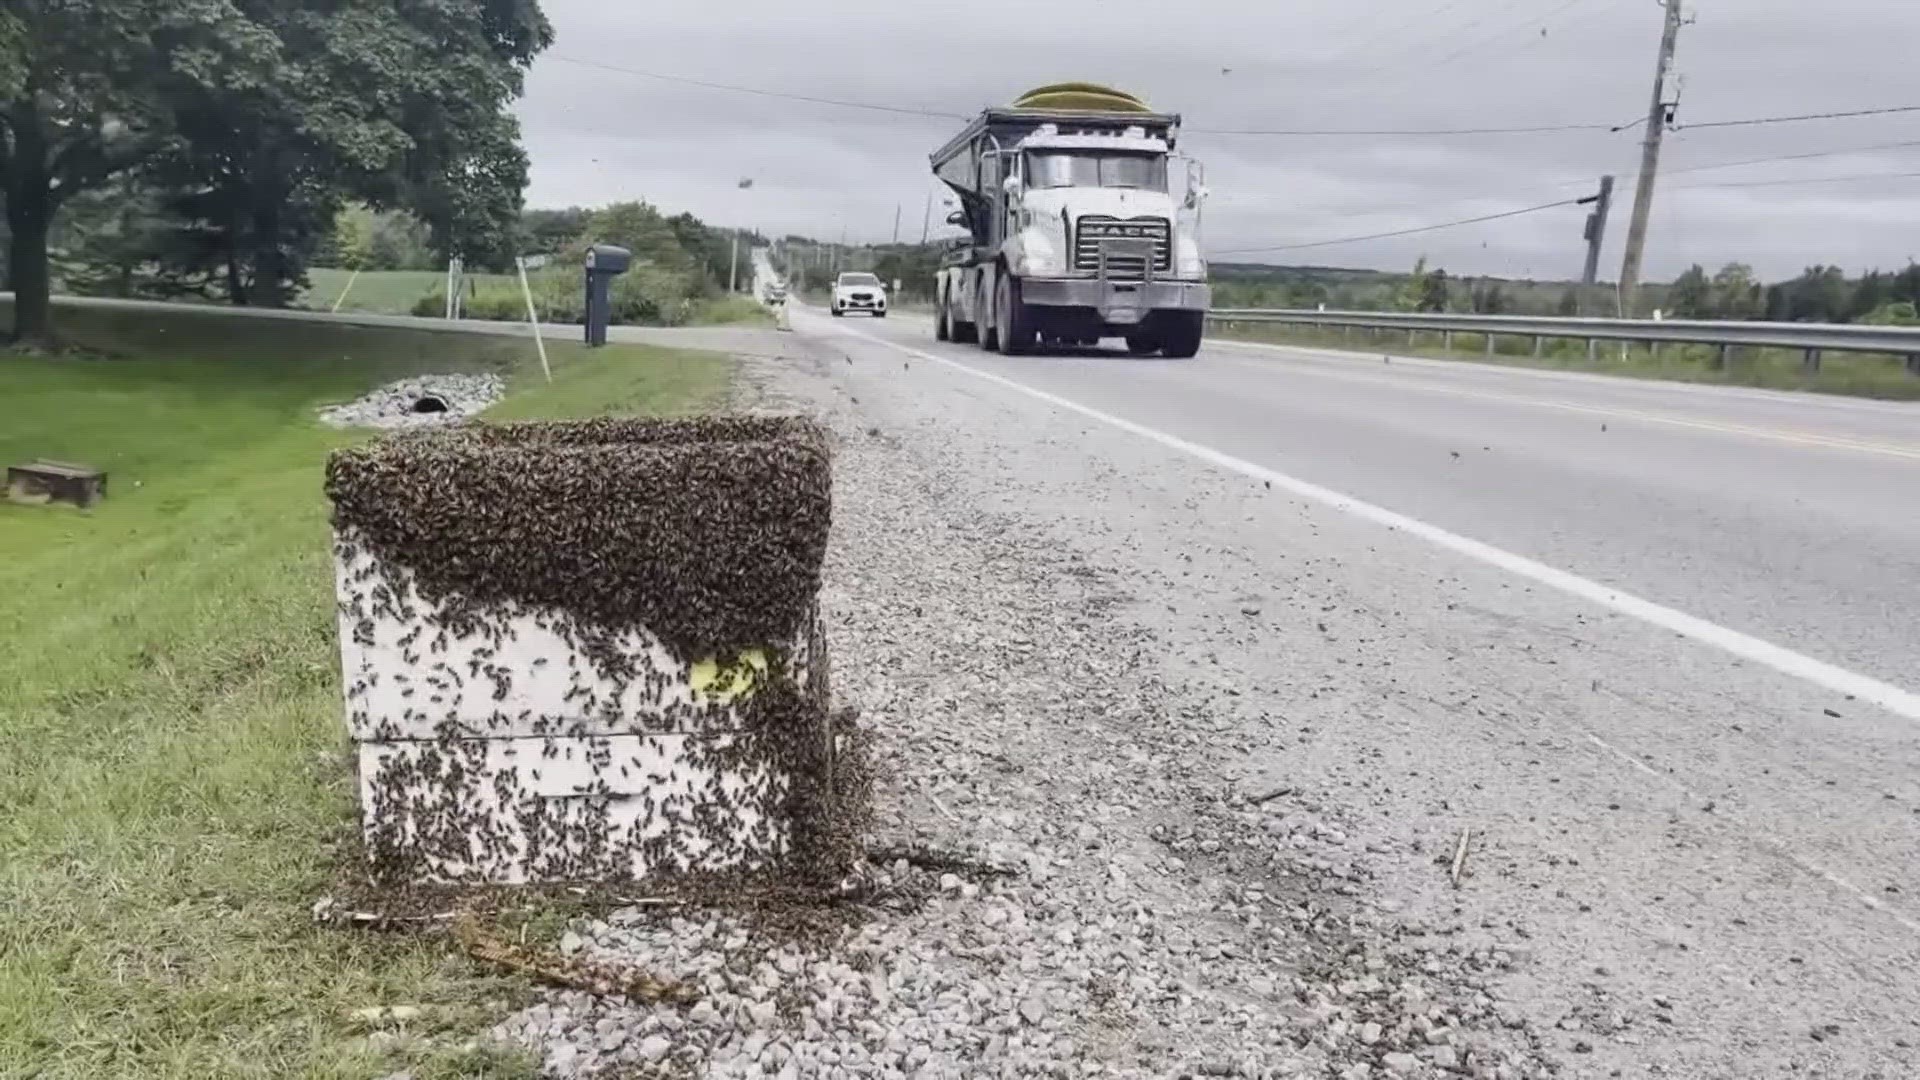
(173, 775)
(396, 292)
(384, 292)
(1855, 374)
(731, 311)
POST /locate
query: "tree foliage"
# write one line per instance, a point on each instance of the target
(250, 123)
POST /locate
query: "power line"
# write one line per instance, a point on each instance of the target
(1802, 180)
(1795, 157)
(1795, 119)
(1281, 132)
(1348, 132)
(1498, 34)
(1400, 232)
(757, 92)
(1392, 30)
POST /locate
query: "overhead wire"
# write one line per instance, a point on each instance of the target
(1533, 129)
(1398, 232)
(760, 92)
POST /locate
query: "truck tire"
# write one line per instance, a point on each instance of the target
(1142, 343)
(1017, 332)
(942, 330)
(1180, 333)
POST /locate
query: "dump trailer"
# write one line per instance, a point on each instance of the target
(1083, 223)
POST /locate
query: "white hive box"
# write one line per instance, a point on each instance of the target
(584, 652)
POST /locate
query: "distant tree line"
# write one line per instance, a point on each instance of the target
(209, 146)
(678, 262)
(1819, 294)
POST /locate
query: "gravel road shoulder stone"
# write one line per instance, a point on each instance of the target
(1158, 921)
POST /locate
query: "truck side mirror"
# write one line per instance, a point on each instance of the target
(1197, 195)
(956, 218)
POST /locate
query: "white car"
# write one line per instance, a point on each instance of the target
(859, 292)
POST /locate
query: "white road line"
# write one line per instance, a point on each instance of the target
(1719, 427)
(1758, 837)
(1901, 702)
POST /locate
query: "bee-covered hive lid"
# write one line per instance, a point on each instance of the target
(702, 538)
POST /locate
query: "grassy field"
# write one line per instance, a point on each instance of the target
(385, 292)
(395, 292)
(173, 774)
(1858, 375)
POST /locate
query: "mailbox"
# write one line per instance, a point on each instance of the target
(604, 263)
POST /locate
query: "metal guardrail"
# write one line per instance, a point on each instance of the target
(1811, 339)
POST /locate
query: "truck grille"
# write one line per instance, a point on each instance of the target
(1129, 266)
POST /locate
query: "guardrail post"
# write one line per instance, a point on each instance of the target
(1810, 361)
(1411, 335)
(1913, 363)
(1489, 344)
(1591, 345)
(1346, 333)
(1539, 345)
(1720, 356)
(1446, 339)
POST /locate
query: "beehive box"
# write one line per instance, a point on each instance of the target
(585, 651)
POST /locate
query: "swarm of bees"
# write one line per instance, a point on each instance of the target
(520, 608)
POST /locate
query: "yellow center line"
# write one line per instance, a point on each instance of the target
(1801, 438)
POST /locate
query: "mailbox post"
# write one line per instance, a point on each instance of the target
(604, 263)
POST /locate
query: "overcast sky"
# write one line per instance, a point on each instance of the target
(598, 135)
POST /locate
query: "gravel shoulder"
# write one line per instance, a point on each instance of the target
(1207, 755)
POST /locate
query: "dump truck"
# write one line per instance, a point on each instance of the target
(1082, 221)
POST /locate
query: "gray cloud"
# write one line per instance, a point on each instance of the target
(597, 135)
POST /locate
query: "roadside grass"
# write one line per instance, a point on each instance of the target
(385, 292)
(399, 292)
(731, 311)
(174, 783)
(1853, 374)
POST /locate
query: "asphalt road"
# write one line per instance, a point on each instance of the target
(1652, 644)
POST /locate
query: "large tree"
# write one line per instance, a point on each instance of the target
(85, 86)
(402, 105)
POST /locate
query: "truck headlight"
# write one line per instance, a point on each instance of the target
(1188, 263)
(1039, 256)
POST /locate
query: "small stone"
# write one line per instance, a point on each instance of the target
(950, 883)
(1369, 1033)
(571, 943)
(1033, 1011)
(1400, 1064)
(655, 1048)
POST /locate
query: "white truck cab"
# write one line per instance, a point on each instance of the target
(1083, 224)
(859, 292)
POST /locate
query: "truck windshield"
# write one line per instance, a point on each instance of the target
(1090, 168)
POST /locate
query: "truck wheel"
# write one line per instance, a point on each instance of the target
(942, 329)
(1180, 333)
(1141, 343)
(1017, 331)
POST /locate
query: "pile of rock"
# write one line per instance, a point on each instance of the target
(421, 401)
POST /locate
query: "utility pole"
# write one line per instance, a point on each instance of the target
(1659, 116)
(926, 220)
(896, 223)
(1602, 202)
